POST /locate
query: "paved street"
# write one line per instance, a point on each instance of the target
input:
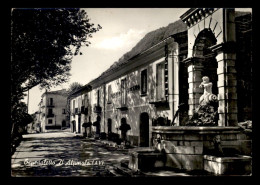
(63, 154)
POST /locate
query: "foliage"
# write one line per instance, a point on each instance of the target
(74, 87)
(43, 43)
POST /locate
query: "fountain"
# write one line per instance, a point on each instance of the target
(203, 145)
(206, 114)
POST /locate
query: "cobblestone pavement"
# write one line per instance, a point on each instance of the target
(63, 154)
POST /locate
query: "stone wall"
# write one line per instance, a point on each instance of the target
(184, 147)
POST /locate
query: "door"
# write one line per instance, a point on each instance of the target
(79, 124)
(63, 123)
(109, 126)
(144, 130)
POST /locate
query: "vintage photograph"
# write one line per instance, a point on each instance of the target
(131, 92)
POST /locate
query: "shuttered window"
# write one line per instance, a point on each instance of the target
(144, 82)
(160, 90)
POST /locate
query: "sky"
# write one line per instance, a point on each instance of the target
(122, 29)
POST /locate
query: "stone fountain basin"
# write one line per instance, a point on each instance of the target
(227, 165)
(144, 159)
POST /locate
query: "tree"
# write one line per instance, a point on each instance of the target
(43, 42)
(74, 87)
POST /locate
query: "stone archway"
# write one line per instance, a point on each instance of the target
(201, 49)
(202, 63)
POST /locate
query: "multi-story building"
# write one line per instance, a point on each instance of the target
(79, 108)
(147, 89)
(52, 110)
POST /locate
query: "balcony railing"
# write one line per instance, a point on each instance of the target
(50, 115)
(97, 109)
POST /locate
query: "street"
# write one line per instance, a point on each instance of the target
(63, 154)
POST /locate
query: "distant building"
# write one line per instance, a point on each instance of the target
(52, 111)
(79, 108)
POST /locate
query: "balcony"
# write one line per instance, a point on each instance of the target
(50, 115)
(97, 109)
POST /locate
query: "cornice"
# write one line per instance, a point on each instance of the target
(195, 15)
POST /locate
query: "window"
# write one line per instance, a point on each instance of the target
(63, 111)
(123, 92)
(160, 91)
(49, 121)
(79, 102)
(97, 97)
(49, 111)
(73, 106)
(144, 82)
(83, 101)
(109, 90)
(50, 101)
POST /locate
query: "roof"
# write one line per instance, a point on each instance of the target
(86, 87)
(62, 92)
(150, 39)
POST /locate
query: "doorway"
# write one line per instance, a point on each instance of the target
(144, 130)
(79, 124)
(63, 123)
(109, 126)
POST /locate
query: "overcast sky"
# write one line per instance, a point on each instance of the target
(122, 29)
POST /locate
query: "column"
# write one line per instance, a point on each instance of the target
(227, 89)
(194, 80)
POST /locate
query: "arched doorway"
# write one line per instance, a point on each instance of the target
(109, 126)
(144, 130)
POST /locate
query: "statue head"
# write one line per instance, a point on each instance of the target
(205, 79)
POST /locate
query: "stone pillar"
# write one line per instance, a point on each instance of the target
(176, 83)
(194, 79)
(227, 89)
(226, 57)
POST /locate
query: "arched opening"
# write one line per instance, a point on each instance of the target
(201, 49)
(144, 129)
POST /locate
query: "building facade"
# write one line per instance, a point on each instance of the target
(52, 111)
(148, 89)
